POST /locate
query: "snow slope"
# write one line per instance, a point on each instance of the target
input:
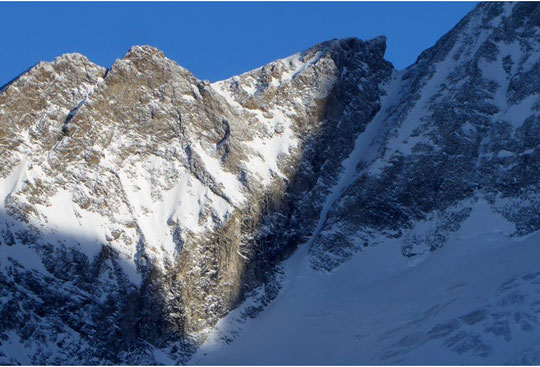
(475, 301)
(426, 248)
(139, 205)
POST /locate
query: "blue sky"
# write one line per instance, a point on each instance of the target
(214, 40)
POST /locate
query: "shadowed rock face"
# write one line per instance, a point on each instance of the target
(139, 204)
(153, 193)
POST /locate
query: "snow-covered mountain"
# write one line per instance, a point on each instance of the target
(344, 211)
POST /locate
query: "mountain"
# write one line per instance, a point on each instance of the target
(344, 211)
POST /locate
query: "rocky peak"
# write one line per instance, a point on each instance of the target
(143, 51)
(173, 181)
(371, 49)
(148, 65)
(447, 113)
(75, 58)
(35, 106)
(161, 201)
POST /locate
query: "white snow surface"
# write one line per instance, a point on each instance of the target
(278, 138)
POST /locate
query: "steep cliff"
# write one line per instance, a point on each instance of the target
(140, 205)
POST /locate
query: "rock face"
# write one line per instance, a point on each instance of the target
(462, 124)
(139, 205)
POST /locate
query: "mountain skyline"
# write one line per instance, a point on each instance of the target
(325, 208)
(209, 38)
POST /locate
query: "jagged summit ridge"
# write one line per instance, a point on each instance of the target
(139, 204)
(144, 50)
(164, 183)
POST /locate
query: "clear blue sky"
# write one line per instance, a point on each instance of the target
(214, 40)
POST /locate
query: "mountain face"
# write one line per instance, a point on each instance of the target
(140, 205)
(460, 124)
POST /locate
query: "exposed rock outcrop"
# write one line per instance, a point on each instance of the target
(139, 205)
